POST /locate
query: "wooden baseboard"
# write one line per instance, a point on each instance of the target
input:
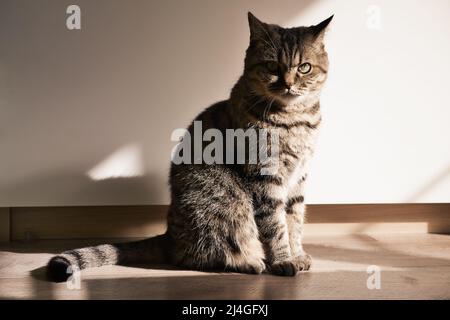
(5, 225)
(28, 223)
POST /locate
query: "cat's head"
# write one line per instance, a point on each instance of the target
(286, 63)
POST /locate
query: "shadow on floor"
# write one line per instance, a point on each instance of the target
(404, 275)
(408, 284)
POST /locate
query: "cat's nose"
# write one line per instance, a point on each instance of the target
(289, 81)
(288, 86)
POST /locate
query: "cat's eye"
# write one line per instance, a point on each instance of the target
(272, 66)
(304, 67)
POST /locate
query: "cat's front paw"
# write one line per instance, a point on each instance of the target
(285, 268)
(291, 266)
(254, 267)
(303, 262)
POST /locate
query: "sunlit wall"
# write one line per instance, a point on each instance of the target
(86, 115)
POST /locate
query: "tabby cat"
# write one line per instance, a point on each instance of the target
(230, 216)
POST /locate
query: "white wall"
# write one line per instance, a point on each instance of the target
(139, 69)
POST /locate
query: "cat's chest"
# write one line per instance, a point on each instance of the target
(295, 175)
(296, 150)
(298, 142)
(290, 182)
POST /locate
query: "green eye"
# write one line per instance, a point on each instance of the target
(272, 66)
(305, 68)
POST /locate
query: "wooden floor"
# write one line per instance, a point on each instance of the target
(413, 266)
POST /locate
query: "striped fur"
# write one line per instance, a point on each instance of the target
(229, 216)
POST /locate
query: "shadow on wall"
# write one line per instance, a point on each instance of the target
(119, 178)
(433, 183)
(136, 71)
(117, 191)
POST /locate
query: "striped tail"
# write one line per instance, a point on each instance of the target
(153, 250)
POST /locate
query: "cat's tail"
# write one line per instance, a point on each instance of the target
(154, 250)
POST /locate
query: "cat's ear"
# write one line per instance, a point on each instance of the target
(257, 28)
(319, 30)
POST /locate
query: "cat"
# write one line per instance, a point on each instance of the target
(230, 217)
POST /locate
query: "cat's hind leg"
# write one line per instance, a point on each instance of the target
(213, 222)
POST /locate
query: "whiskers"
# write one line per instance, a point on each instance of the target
(257, 100)
(254, 96)
(267, 109)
